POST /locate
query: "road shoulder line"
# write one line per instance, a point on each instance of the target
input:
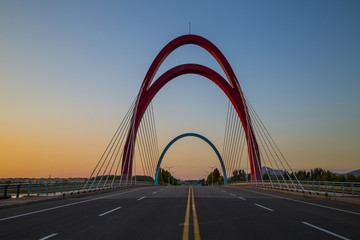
(324, 230)
(309, 203)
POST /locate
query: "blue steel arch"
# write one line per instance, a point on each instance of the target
(190, 135)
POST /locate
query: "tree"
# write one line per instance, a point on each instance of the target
(341, 178)
(165, 177)
(350, 178)
(235, 175)
(316, 174)
(214, 177)
(265, 176)
(238, 175)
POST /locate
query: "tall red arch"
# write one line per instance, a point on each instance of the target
(231, 89)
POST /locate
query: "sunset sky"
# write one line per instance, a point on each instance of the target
(69, 71)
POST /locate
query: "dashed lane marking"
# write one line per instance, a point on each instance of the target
(49, 236)
(269, 209)
(100, 215)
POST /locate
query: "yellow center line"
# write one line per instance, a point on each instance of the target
(187, 217)
(195, 219)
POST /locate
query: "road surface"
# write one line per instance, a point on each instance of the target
(183, 212)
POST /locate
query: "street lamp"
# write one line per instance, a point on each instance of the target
(169, 174)
(172, 172)
(212, 174)
(207, 174)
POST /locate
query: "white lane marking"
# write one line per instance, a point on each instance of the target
(154, 192)
(299, 201)
(67, 205)
(222, 190)
(100, 215)
(141, 198)
(269, 209)
(49, 236)
(321, 229)
(162, 189)
(237, 196)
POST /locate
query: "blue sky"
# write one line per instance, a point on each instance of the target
(69, 71)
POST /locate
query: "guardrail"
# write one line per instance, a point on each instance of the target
(17, 190)
(312, 187)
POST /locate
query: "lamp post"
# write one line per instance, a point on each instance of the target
(212, 174)
(207, 174)
(169, 174)
(172, 172)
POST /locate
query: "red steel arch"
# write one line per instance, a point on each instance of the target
(231, 89)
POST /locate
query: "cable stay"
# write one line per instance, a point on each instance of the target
(273, 164)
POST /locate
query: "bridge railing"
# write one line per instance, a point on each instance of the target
(312, 187)
(18, 190)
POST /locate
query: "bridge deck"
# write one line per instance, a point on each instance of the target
(158, 212)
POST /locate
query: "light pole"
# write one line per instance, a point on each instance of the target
(172, 172)
(212, 175)
(207, 174)
(169, 174)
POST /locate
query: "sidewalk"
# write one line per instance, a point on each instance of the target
(24, 200)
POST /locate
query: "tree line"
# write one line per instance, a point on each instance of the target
(316, 174)
(165, 177)
(319, 174)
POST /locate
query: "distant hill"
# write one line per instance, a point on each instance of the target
(271, 171)
(355, 172)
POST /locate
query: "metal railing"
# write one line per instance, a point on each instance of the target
(17, 190)
(312, 187)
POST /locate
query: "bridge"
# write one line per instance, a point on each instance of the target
(112, 204)
(245, 134)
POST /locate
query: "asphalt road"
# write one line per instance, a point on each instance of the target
(183, 213)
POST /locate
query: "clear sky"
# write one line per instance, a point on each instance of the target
(69, 70)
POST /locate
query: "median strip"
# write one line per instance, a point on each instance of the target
(100, 215)
(324, 230)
